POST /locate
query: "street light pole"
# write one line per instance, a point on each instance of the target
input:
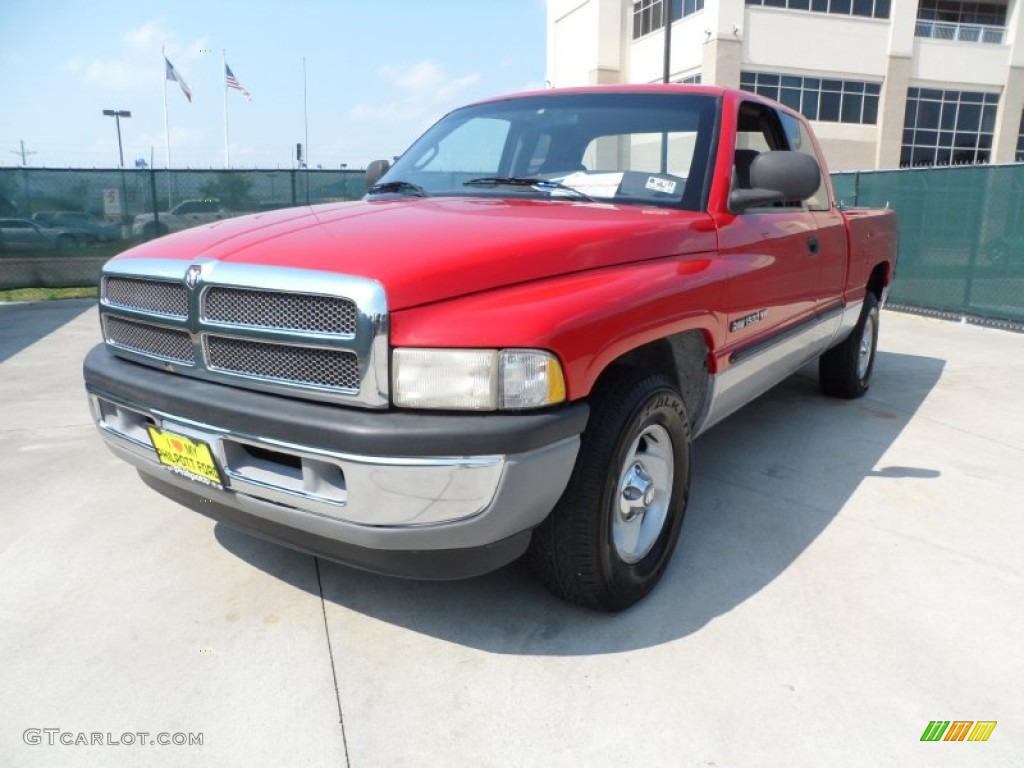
(117, 114)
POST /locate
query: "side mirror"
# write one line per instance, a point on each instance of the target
(779, 176)
(374, 171)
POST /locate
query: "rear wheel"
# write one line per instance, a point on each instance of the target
(610, 538)
(845, 370)
(67, 242)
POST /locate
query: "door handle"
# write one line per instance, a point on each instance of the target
(812, 245)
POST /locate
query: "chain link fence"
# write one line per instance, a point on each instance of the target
(961, 228)
(58, 227)
(961, 235)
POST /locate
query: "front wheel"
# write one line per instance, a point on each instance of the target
(845, 370)
(611, 535)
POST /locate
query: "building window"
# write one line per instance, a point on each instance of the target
(965, 22)
(1019, 157)
(948, 127)
(873, 9)
(647, 14)
(694, 79)
(818, 98)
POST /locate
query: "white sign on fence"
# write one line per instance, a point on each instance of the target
(112, 202)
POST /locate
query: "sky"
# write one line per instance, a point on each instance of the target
(378, 73)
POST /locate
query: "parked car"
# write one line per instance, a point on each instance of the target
(508, 347)
(25, 235)
(186, 214)
(90, 228)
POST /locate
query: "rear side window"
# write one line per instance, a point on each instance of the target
(670, 153)
(761, 128)
(800, 141)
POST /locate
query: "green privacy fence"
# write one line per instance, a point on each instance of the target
(58, 226)
(961, 235)
(961, 228)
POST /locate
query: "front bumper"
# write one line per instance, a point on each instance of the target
(409, 494)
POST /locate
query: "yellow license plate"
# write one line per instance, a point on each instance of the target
(188, 457)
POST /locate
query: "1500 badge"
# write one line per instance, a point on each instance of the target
(754, 317)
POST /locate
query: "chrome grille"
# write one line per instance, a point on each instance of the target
(282, 330)
(150, 295)
(288, 311)
(336, 369)
(155, 340)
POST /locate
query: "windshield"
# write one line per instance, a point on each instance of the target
(641, 148)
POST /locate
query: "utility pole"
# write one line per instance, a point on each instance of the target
(666, 18)
(23, 152)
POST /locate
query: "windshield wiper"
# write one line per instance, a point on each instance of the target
(400, 187)
(525, 181)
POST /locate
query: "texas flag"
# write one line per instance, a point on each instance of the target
(172, 74)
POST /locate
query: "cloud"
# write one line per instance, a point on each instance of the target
(533, 85)
(422, 76)
(118, 75)
(146, 38)
(427, 81)
(422, 92)
(139, 66)
(384, 112)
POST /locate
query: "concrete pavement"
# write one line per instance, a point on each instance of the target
(848, 572)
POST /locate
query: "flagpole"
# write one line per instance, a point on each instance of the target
(167, 129)
(305, 114)
(167, 133)
(227, 149)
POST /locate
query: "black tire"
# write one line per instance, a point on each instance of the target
(845, 370)
(578, 551)
(66, 242)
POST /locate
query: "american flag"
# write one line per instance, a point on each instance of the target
(172, 74)
(232, 82)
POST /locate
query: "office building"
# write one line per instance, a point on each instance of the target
(886, 83)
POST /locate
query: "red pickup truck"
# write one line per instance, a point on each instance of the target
(508, 347)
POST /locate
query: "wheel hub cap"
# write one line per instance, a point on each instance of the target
(638, 493)
(866, 343)
(644, 494)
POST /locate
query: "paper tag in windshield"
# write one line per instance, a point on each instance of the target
(660, 185)
(593, 184)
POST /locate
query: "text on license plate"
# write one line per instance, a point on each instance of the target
(191, 458)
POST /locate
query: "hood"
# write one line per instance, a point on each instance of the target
(424, 250)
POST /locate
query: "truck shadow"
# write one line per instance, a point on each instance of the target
(23, 324)
(767, 482)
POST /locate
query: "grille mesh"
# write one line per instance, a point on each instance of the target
(154, 340)
(150, 295)
(289, 311)
(337, 369)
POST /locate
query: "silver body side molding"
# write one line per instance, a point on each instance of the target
(754, 374)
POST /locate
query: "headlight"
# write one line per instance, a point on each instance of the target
(476, 379)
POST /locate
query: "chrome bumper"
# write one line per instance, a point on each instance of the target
(375, 502)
